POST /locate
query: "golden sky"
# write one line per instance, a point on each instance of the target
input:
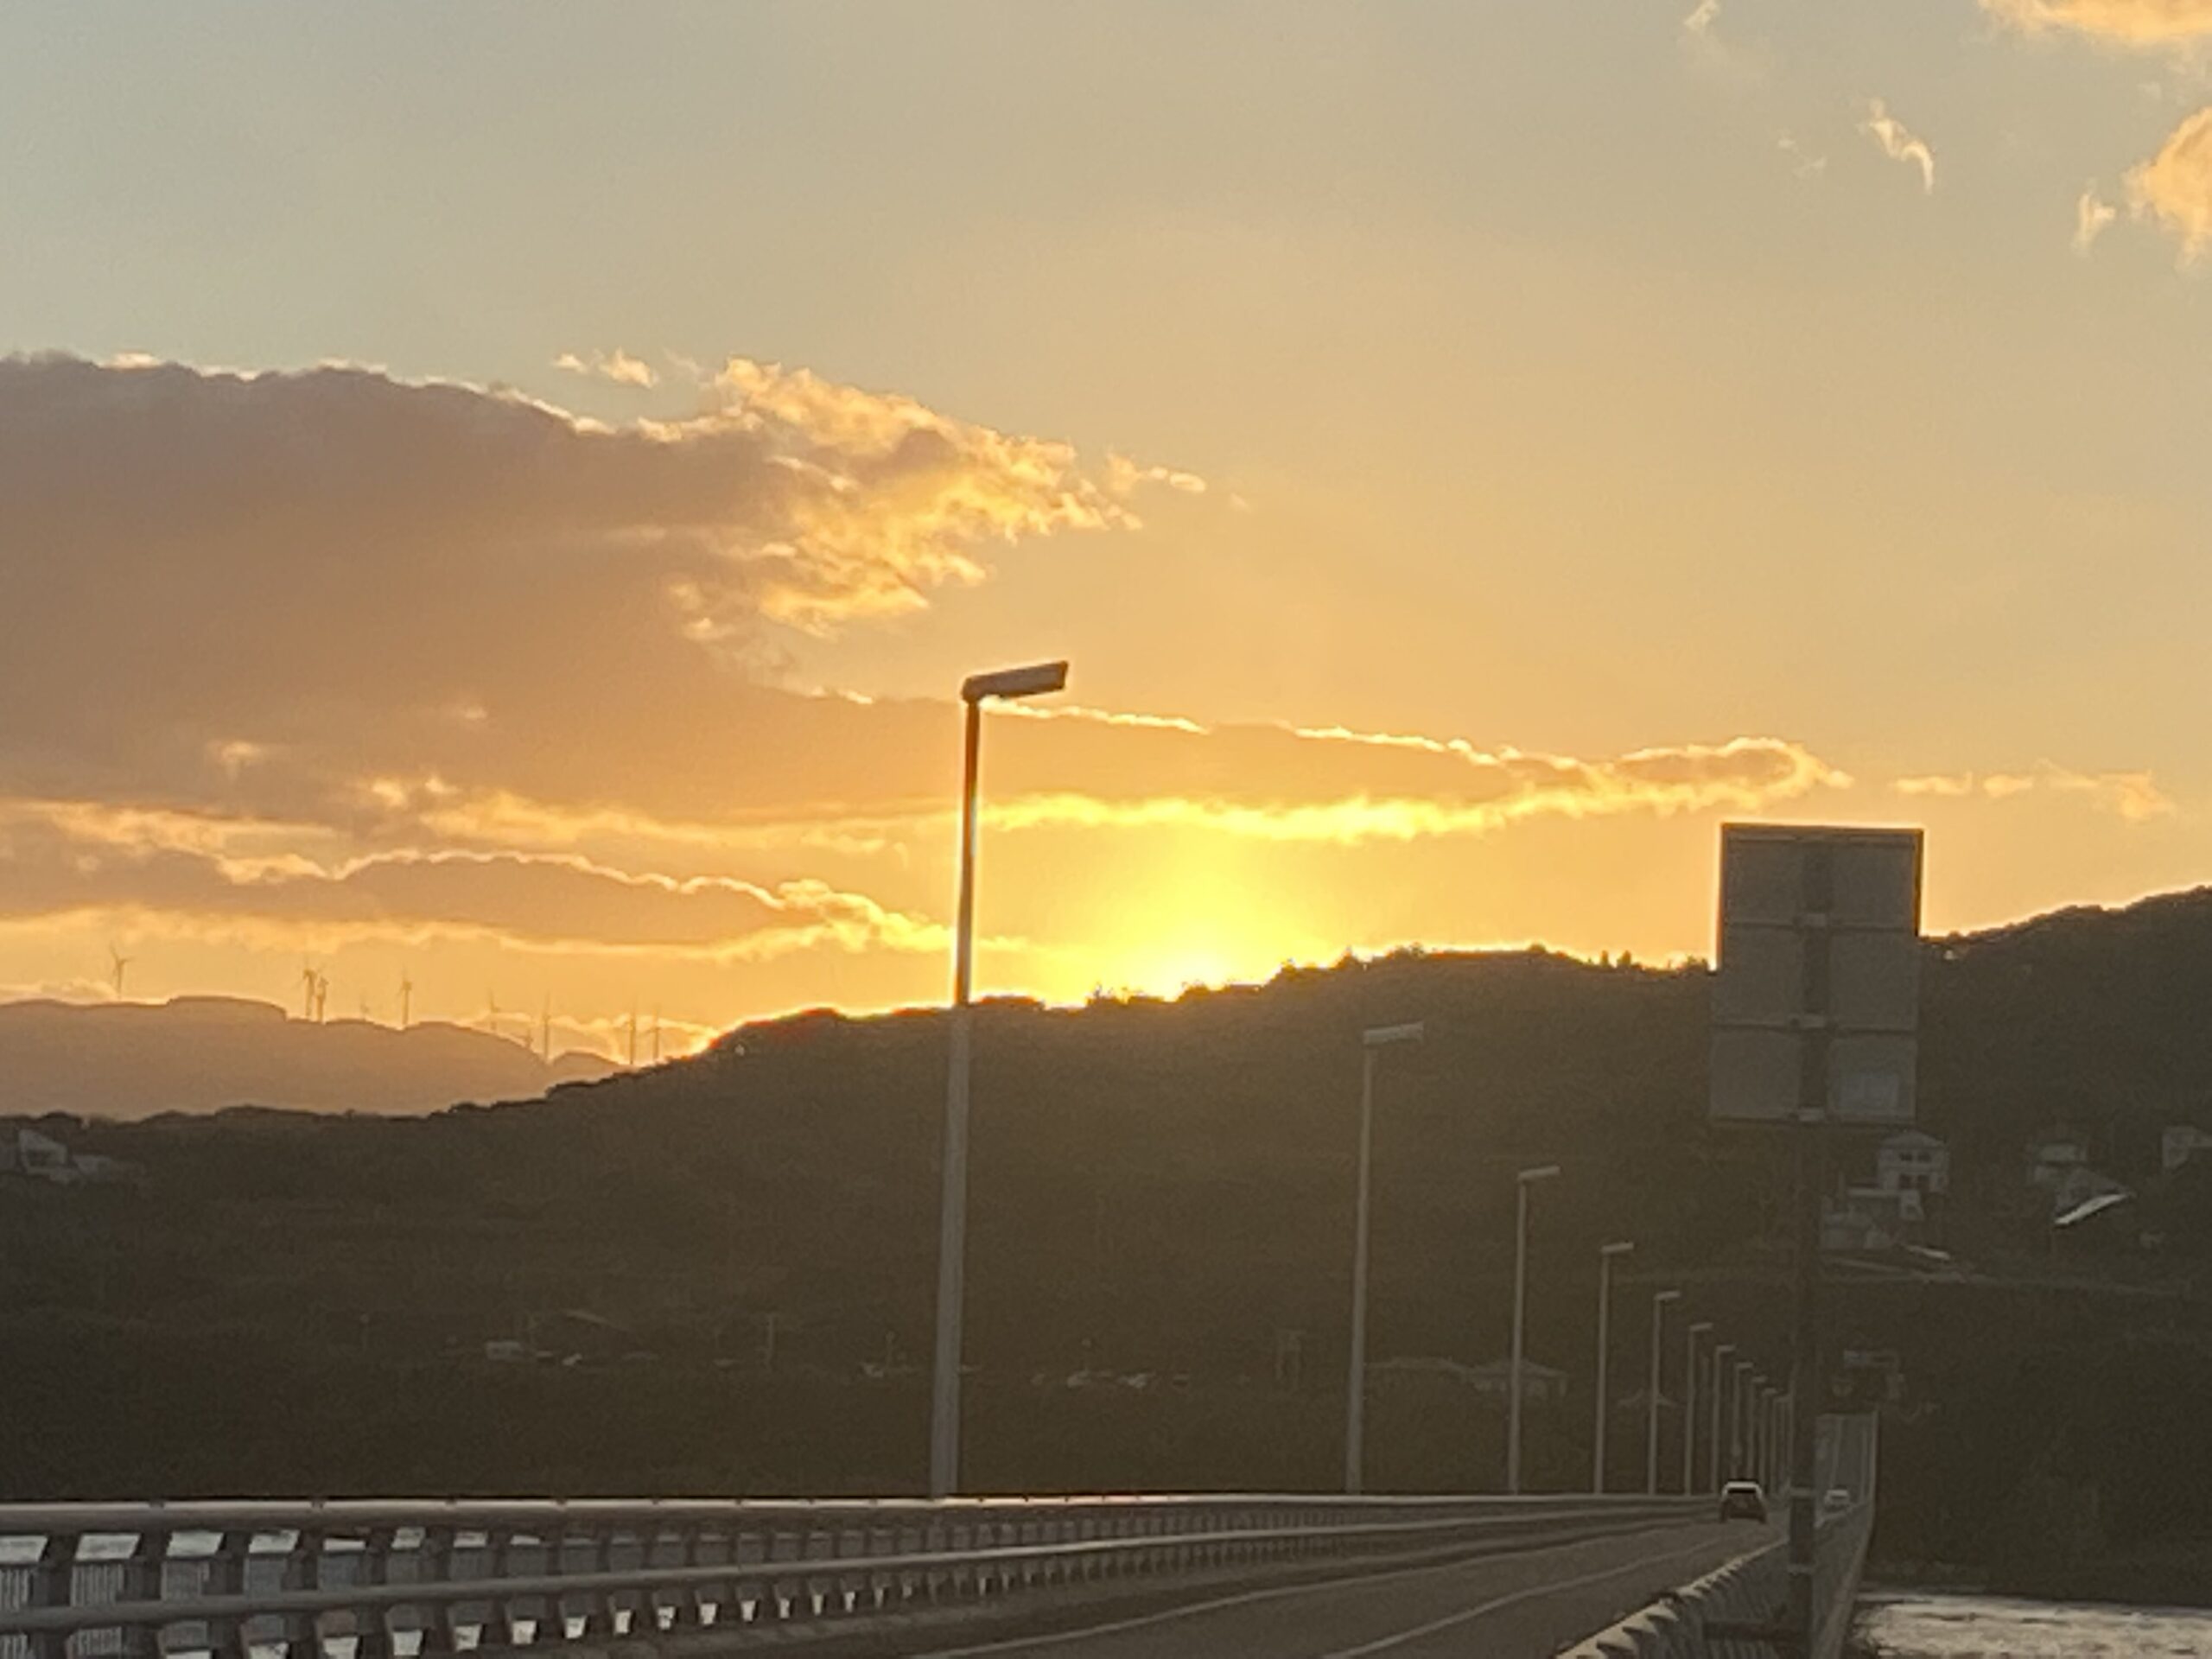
(511, 507)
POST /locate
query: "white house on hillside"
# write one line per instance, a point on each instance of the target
(1913, 1160)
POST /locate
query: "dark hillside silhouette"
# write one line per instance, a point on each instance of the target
(1161, 1195)
(200, 1053)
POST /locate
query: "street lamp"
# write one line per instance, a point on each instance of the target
(1720, 1352)
(1375, 1037)
(1606, 1254)
(1736, 1419)
(1659, 1300)
(1762, 1434)
(1032, 681)
(1690, 1404)
(1522, 1182)
(1748, 1405)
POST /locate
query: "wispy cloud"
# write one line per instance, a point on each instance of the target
(617, 366)
(2133, 796)
(2131, 22)
(1802, 163)
(562, 901)
(2092, 215)
(2174, 188)
(1898, 142)
(1714, 55)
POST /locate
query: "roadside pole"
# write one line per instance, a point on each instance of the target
(1812, 1181)
(1816, 1018)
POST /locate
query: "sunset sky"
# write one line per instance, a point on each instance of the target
(506, 494)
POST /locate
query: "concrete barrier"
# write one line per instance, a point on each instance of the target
(1753, 1589)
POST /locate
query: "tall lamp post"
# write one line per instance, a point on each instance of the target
(1522, 1182)
(1690, 1404)
(1736, 1419)
(1659, 1300)
(1371, 1040)
(1606, 1254)
(1754, 1386)
(1762, 1426)
(1720, 1353)
(1035, 680)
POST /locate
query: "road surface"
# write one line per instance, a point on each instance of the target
(1530, 1602)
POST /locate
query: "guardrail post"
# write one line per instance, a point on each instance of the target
(54, 1584)
(303, 1570)
(441, 1617)
(373, 1566)
(226, 1577)
(141, 1581)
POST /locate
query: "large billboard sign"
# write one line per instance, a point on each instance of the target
(1816, 1000)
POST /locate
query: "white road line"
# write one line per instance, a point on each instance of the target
(1251, 1598)
(1534, 1592)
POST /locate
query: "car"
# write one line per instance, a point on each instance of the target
(1743, 1500)
(1835, 1500)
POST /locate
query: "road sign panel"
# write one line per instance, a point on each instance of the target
(1819, 944)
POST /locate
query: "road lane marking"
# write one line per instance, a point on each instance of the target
(1534, 1592)
(1252, 1598)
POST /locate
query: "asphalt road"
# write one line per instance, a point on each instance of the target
(1530, 1603)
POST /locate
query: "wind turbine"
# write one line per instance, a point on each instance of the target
(491, 1011)
(308, 979)
(633, 1036)
(545, 1030)
(656, 1036)
(406, 997)
(321, 995)
(121, 962)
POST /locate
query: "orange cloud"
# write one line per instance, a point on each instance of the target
(537, 900)
(2130, 22)
(2174, 188)
(2133, 795)
(617, 366)
(1897, 142)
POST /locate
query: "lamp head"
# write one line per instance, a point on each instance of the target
(1034, 680)
(1377, 1036)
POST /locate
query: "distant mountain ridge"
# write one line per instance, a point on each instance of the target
(203, 1053)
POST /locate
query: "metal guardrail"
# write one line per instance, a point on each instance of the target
(394, 1580)
(1751, 1590)
(1702, 1620)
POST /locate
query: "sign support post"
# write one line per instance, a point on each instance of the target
(1817, 901)
(1814, 1023)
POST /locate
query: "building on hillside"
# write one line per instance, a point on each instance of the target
(2059, 1165)
(40, 1156)
(1867, 1220)
(1539, 1384)
(1913, 1160)
(2081, 1184)
(2183, 1143)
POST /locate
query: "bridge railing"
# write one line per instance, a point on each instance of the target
(1752, 1590)
(394, 1580)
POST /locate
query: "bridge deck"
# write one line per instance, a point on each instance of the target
(1532, 1602)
